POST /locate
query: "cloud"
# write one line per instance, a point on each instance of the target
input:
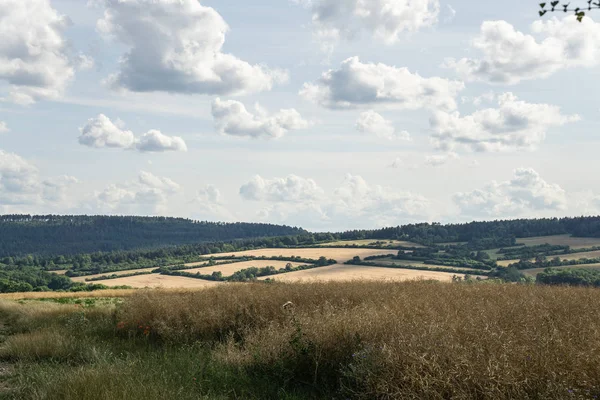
(208, 205)
(440, 159)
(3, 127)
(372, 123)
(155, 141)
(397, 163)
(356, 84)
(101, 132)
(514, 125)
(176, 47)
(232, 118)
(21, 184)
(34, 56)
(353, 204)
(384, 20)
(509, 56)
(525, 192)
(292, 188)
(148, 195)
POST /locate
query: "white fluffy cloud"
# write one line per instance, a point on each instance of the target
(21, 184)
(3, 127)
(155, 141)
(525, 192)
(208, 205)
(148, 195)
(509, 56)
(232, 118)
(100, 132)
(440, 159)
(34, 57)
(176, 46)
(353, 204)
(356, 84)
(514, 125)
(386, 20)
(372, 123)
(292, 188)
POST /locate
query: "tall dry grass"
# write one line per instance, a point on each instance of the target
(366, 340)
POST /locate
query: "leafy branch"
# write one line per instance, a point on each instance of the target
(579, 12)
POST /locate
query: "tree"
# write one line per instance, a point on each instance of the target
(557, 6)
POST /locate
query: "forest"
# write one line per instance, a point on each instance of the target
(72, 234)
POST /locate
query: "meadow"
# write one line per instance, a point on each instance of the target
(563, 240)
(336, 340)
(372, 242)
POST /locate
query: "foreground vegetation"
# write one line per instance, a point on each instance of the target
(415, 340)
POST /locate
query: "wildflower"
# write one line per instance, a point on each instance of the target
(121, 325)
(146, 332)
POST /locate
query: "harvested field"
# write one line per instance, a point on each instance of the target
(119, 273)
(342, 272)
(230, 269)
(366, 242)
(389, 261)
(561, 240)
(157, 280)
(59, 272)
(341, 255)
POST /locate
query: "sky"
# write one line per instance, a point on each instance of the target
(326, 114)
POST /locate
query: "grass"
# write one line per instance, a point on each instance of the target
(359, 340)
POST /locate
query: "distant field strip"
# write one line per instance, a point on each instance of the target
(118, 273)
(230, 269)
(563, 257)
(366, 242)
(341, 255)
(561, 240)
(340, 272)
(391, 262)
(157, 280)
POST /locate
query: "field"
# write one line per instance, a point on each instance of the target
(230, 269)
(342, 272)
(339, 340)
(366, 242)
(341, 255)
(561, 240)
(390, 261)
(118, 273)
(564, 257)
(158, 281)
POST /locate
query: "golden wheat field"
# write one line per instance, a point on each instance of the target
(341, 255)
(342, 272)
(230, 269)
(366, 242)
(561, 240)
(389, 261)
(118, 273)
(158, 281)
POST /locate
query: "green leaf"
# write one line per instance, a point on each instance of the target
(580, 16)
(542, 13)
(542, 5)
(554, 3)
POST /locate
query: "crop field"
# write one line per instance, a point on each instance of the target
(118, 273)
(390, 261)
(230, 269)
(341, 255)
(158, 281)
(342, 272)
(561, 240)
(366, 242)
